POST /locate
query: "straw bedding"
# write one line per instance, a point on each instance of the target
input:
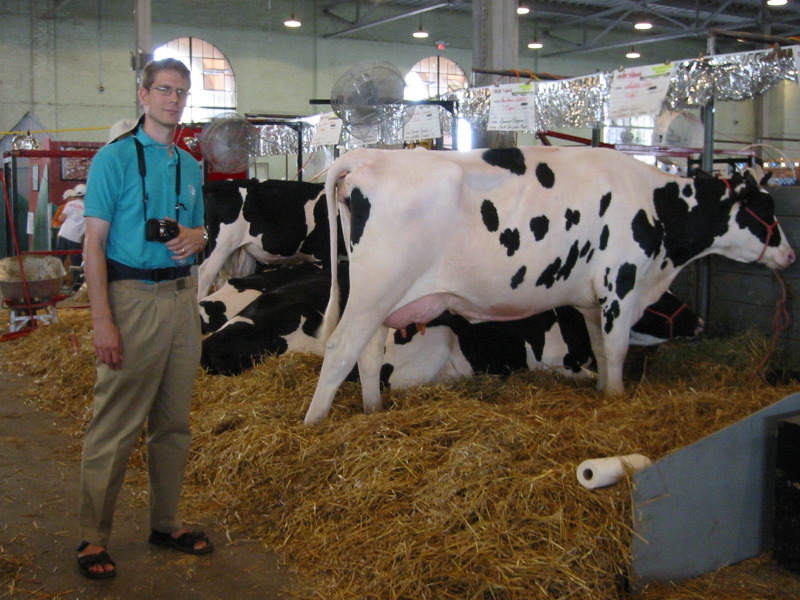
(460, 491)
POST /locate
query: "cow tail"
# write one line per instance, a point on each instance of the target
(332, 312)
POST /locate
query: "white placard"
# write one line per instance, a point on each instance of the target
(31, 221)
(511, 108)
(639, 91)
(424, 124)
(329, 130)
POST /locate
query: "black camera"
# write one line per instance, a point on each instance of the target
(160, 230)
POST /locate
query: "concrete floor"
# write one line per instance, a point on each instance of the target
(39, 477)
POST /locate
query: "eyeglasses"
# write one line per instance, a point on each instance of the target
(167, 91)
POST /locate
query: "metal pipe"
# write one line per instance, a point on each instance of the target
(404, 15)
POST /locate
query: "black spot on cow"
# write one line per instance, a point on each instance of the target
(590, 255)
(648, 235)
(386, 373)
(688, 191)
(606, 281)
(491, 220)
(610, 314)
(518, 277)
(585, 250)
(576, 336)
(570, 261)
(511, 159)
(604, 235)
(605, 202)
(276, 210)
(215, 313)
(573, 217)
(759, 213)
(545, 175)
(509, 239)
(539, 227)
(626, 279)
(359, 212)
(559, 269)
(548, 276)
(686, 231)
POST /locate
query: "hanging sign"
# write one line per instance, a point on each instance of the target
(639, 91)
(424, 124)
(329, 130)
(511, 108)
(796, 54)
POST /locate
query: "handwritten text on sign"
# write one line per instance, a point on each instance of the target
(511, 108)
(639, 91)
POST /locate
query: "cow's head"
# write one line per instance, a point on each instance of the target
(756, 232)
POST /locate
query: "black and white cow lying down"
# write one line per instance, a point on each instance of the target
(254, 222)
(287, 311)
(501, 234)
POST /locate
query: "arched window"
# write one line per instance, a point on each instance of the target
(433, 77)
(213, 82)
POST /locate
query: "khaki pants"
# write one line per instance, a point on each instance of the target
(160, 328)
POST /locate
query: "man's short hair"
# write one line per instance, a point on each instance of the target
(154, 67)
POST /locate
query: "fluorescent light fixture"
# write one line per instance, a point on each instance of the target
(535, 45)
(633, 54)
(777, 2)
(643, 24)
(522, 9)
(292, 22)
(420, 33)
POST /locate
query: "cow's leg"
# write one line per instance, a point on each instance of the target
(369, 371)
(341, 353)
(592, 318)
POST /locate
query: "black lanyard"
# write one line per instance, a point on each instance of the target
(143, 174)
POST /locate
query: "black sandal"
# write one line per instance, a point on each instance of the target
(185, 542)
(86, 562)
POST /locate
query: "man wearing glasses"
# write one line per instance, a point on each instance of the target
(144, 224)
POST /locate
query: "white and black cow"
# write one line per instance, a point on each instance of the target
(557, 341)
(239, 292)
(270, 222)
(287, 313)
(501, 234)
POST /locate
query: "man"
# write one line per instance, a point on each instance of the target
(144, 215)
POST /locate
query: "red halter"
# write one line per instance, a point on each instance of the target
(669, 318)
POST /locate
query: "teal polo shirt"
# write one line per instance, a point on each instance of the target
(114, 194)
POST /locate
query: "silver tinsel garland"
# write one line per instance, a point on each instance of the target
(574, 102)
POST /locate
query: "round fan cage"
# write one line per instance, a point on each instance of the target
(369, 99)
(228, 141)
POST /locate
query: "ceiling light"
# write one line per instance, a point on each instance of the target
(522, 9)
(292, 22)
(535, 45)
(643, 24)
(633, 54)
(420, 33)
(777, 2)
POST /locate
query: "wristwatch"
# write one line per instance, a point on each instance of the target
(205, 236)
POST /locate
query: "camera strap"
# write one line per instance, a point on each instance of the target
(143, 175)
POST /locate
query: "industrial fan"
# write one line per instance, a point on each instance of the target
(368, 99)
(228, 141)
